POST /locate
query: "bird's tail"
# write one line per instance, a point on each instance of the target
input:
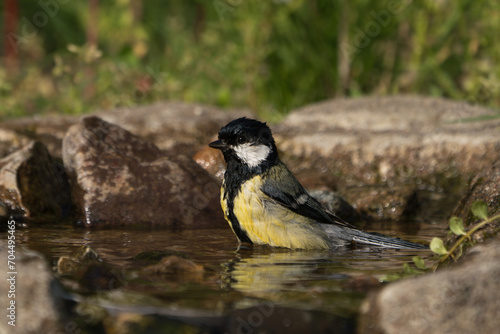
(377, 239)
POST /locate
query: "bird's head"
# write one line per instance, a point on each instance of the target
(246, 141)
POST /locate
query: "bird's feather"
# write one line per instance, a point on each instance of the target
(287, 191)
(293, 196)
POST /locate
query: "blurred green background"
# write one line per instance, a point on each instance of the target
(71, 57)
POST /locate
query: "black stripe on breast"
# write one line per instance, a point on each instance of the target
(232, 186)
(242, 235)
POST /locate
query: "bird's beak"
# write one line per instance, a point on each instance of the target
(218, 144)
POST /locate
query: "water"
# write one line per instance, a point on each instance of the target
(324, 285)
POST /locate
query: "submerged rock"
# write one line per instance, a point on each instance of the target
(38, 296)
(77, 261)
(33, 184)
(119, 179)
(176, 267)
(461, 299)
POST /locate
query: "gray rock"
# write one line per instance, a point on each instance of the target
(10, 141)
(461, 299)
(119, 179)
(39, 303)
(175, 126)
(32, 184)
(48, 130)
(375, 140)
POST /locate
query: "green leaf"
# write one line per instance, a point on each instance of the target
(419, 262)
(391, 277)
(457, 226)
(408, 270)
(479, 209)
(437, 246)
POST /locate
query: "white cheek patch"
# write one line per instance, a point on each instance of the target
(252, 155)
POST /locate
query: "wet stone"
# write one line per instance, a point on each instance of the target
(156, 256)
(119, 179)
(174, 266)
(77, 261)
(100, 277)
(40, 306)
(33, 184)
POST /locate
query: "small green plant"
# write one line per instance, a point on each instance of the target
(437, 246)
(479, 210)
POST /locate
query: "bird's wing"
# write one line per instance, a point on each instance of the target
(285, 189)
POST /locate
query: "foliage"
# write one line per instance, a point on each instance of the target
(271, 56)
(437, 246)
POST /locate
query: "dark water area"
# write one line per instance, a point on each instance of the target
(238, 288)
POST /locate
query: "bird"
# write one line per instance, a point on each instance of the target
(265, 204)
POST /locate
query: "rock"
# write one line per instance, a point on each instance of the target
(85, 266)
(175, 126)
(271, 318)
(157, 255)
(119, 179)
(361, 283)
(393, 140)
(100, 277)
(384, 203)
(177, 268)
(48, 130)
(32, 184)
(10, 141)
(337, 204)
(39, 303)
(76, 261)
(461, 299)
(483, 187)
(212, 161)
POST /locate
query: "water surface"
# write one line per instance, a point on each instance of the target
(268, 281)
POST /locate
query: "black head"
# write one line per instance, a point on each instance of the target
(246, 141)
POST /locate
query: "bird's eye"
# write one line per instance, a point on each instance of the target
(242, 139)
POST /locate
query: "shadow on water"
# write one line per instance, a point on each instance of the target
(237, 290)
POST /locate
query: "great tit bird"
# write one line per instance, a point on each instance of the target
(266, 205)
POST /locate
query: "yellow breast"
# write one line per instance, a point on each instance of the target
(269, 223)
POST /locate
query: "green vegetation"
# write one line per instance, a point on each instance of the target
(479, 210)
(455, 251)
(271, 56)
